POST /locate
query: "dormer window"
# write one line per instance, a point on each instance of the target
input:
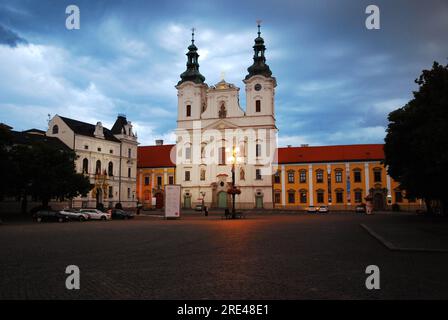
(55, 129)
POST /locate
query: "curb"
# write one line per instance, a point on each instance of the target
(389, 245)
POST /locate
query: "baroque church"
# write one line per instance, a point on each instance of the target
(216, 136)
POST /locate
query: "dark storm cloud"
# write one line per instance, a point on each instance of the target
(337, 81)
(10, 38)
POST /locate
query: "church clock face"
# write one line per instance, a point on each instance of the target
(257, 87)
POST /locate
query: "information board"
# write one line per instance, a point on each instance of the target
(172, 201)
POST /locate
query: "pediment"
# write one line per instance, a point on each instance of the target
(221, 124)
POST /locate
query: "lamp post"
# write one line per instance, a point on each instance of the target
(234, 191)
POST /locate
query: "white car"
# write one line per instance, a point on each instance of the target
(95, 214)
(323, 209)
(311, 209)
(74, 214)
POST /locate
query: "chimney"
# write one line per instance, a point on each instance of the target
(159, 142)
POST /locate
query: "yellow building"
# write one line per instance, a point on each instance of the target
(340, 177)
(154, 170)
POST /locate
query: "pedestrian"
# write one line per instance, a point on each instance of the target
(206, 211)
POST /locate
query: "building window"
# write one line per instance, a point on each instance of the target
(222, 156)
(303, 196)
(398, 196)
(98, 149)
(98, 167)
(302, 176)
(129, 193)
(257, 105)
(291, 197)
(320, 176)
(277, 197)
(129, 172)
(290, 176)
(377, 175)
(277, 177)
(320, 196)
(202, 174)
(357, 175)
(159, 181)
(111, 151)
(187, 175)
(129, 153)
(188, 110)
(171, 180)
(258, 150)
(85, 165)
(110, 169)
(86, 147)
(339, 196)
(257, 174)
(188, 153)
(338, 176)
(146, 181)
(55, 129)
(358, 196)
(111, 192)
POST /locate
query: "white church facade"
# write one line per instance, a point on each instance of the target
(216, 137)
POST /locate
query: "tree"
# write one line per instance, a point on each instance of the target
(45, 171)
(5, 161)
(416, 144)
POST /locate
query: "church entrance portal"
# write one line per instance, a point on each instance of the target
(222, 199)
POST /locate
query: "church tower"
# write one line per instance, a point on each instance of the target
(191, 89)
(260, 84)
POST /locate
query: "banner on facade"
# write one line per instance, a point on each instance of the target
(172, 201)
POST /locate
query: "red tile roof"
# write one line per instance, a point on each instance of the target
(331, 153)
(160, 156)
(155, 156)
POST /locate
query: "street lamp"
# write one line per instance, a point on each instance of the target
(234, 190)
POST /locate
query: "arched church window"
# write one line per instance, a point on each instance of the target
(110, 169)
(85, 165)
(55, 129)
(257, 105)
(98, 167)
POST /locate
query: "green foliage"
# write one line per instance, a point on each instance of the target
(42, 170)
(416, 145)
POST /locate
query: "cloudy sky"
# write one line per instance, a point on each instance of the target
(337, 81)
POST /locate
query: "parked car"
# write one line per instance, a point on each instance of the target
(360, 208)
(49, 215)
(198, 207)
(311, 209)
(323, 209)
(74, 214)
(121, 214)
(95, 214)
